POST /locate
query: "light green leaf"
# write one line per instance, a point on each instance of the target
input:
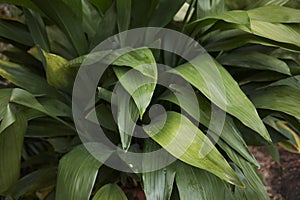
(127, 116)
(58, 74)
(10, 157)
(254, 60)
(233, 17)
(284, 33)
(77, 173)
(227, 130)
(140, 82)
(157, 184)
(280, 98)
(110, 192)
(217, 85)
(270, 14)
(193, 183)
(181, 138)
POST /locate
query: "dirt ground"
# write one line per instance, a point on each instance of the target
(282, 181)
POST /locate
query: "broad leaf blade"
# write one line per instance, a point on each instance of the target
(254, 60)
(280, 98)
(76, 175)
(140, 82)
(194, 183)
(181, 138)
(217, 85)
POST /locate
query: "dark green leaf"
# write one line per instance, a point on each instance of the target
(10, 157)
(37, 29)
(68, 21)
(76, 175)
(124, 13)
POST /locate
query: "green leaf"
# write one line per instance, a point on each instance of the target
(104, 116)
(254, 186)
(181, 138)
(34, 181)
(254, 60)
(264, 3)
(102, 5)
(127, 116)
(280, 98)
(207, 8)
(110, 192)
(67, 21)
(166, 8)
(9, 118)
(157, 184)
(284, 33)
(217, 85)
(124, 13)
(23, 78)
(233, 17)
(16, 31)
(239, 40)
(227, 130)
(10, 157)
(140, 82)
(47, 127)
(58, 74)
(193, 183)
(293, 82)
(106, 27)
(77, 173)
(24, 98)
(37, 29)
(270, 14)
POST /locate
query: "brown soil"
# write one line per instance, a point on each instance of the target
(282, 181)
